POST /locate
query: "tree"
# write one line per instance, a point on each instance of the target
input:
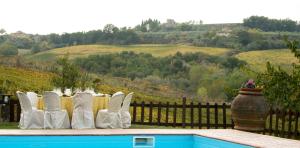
(281, 87)
(244, 37)
(149, 26)
(85, 81)
(8, 49)
(2, 31)
(67, 74)
(110, 28)
(267, 24)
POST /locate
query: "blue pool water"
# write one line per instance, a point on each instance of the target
(126, 141)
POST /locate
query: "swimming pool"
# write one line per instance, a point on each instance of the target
(116, 141)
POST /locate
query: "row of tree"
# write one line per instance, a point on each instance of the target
(9, 43)
(266, 24)
(153, 25)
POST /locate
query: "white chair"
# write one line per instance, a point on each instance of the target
(33, 99)
(54, 116)
(30, 118)
(83, 116)
(111, 117)
(125, 115)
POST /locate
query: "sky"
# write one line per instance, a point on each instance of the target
(59, 16)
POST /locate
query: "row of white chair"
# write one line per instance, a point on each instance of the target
(116, 116)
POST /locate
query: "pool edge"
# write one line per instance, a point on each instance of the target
(230, 135)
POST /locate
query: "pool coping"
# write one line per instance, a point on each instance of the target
(231, 135)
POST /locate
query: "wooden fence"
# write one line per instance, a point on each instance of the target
(182, 115)
(196, 115)
(283, 123)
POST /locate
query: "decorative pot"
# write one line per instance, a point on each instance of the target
(249, 110)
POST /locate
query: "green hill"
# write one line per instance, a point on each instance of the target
(159, 50)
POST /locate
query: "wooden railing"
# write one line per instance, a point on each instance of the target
(283, 123)
(182, 115)
(279, 123)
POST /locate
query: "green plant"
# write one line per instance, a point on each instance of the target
(67, 74)
(85, 81)
(281, 87)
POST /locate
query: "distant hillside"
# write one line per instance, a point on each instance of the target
(258, 59)
(159, 50)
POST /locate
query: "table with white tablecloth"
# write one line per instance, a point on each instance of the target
(67, 104)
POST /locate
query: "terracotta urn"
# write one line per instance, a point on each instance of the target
(249, 110)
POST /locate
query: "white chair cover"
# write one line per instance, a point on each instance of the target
(30, 118)
(125, 115)
(83, 116)
(111, 117)
(54, 117)
(33, 99)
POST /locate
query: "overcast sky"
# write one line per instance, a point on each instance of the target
(58, 16)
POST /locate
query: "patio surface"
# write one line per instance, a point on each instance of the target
(256, 140)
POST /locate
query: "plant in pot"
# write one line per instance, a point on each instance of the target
(249, 108)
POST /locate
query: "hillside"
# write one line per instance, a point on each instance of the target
(31, 80)
(24, 79)
(258, 59)
(159, 50)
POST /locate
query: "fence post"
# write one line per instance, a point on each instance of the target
(296, 125)
(224, 115)
(290, 123)
(276, 121)
(18, 111)
(11, 111)
(134, 112)
(283, 123)
(192, 114)
(142, 112)
(183, 111)
(216, 116)
(167, 114)
(174, 114)
(207, 116)
(159, 113)
(199, 116)
(150, 113)
(271, 120)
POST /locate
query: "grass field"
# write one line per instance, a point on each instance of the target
(158, 50)
(258, 59)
